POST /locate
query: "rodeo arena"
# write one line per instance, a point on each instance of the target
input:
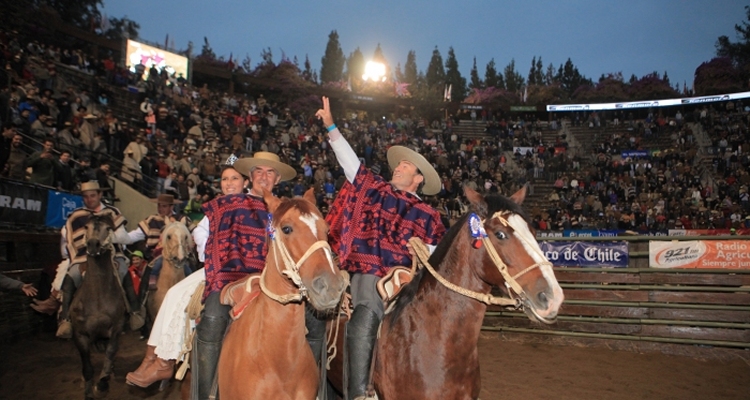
(174, 229)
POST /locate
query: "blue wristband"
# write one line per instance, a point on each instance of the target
(332, 127)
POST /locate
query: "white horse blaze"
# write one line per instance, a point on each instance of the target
(521, 229)
(311, 221)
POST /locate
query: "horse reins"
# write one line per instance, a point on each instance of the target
(291, 268)
(511, 282)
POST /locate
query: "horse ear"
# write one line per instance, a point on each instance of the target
(476, 200)
(310, 196)
(519, 196)
(271, 201)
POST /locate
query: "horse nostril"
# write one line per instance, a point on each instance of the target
(542, 297)
(320, 285)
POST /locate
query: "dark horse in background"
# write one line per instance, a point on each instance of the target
(427, 346)
(98, 310)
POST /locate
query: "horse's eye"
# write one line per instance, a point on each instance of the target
(287, 230)
(169, 237)
(501, 235)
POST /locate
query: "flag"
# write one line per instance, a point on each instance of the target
(402, 89)
(447, 93)
(349, 84)
(525, 93)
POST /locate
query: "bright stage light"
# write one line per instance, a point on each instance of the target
(374, 71)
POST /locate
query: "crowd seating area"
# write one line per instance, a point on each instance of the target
(160, 134)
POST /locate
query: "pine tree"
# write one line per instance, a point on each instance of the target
(491, 77)
(513, 79)
(532, 72)
(332, 64)
(476, 83)
(539, 74)
(410, 68)
(398, 74)
(549, 76)
(207, 52)
(453, 77)
(435, 74)
(355, 65)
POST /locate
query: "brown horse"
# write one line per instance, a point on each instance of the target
(265, 354)
(98, 309)
(428, 341)
(177, 251)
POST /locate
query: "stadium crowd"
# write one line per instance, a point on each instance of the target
(64, 135)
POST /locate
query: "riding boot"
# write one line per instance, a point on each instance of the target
(209, 335)
(68, 289)
(136, 315)
(316, 333)
(361, 333)
(152, 369)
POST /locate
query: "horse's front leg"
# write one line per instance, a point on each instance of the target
(109, 363)
(83, 345)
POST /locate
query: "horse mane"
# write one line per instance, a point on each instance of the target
(495, 203)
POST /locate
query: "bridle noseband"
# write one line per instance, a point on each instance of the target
(291, 268)
(517, 296)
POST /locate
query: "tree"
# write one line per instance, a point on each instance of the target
(355, 65)
(308, 74)
(247, 64)
(121, 28)
(738, 52)
(549, 76)
(410, 68)
(453, 76)
(435, 74)
(207, 53)
(332, 64)
(570, 78)
(491, 77)
(652, 86)
(476, 83)
(398, 74)
(539, 73)
(513, 79)
(532, 73)
(81, 13)
(717, 76)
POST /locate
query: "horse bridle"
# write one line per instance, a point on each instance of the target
(517, 296)
(291, 268)
(106, 245)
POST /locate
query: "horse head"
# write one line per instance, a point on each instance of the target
(99, 231)
(300, 251)
(177, 243)
(512, 258)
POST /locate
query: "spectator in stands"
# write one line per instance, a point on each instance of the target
(65, 178)
(130, 169)
(137, 148)
(43, 165)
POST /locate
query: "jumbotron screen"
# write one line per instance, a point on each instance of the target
(139, 53)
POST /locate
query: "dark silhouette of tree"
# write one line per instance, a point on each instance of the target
(410, 68)
(717, 76)
(570, 79)
(355, 65)
(207, 53)
(475, 83)
(453, 77)
(738, 52)
(513, 79)
(491, 76)
(435, 74)
(121, 28)
(332, 63)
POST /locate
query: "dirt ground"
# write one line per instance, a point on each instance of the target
(46, 368)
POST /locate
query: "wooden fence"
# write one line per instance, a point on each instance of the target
(705, 307)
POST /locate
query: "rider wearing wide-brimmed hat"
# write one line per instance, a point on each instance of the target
(247, 246)
(69, 273)
(367, 207)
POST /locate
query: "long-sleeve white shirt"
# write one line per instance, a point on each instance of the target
(200, 237)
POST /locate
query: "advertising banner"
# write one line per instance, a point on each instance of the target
(724, 254)
(59, 206)
(583, 254)
(22, 204)
(707, 232)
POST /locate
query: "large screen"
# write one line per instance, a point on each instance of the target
(139, 53)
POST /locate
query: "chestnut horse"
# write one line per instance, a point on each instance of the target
(97, 312)
(265, 354)
(178, 245)
(428, 340)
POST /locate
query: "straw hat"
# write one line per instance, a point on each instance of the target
(265, 159)
(396, 154)
(165, 199)
(91, 185)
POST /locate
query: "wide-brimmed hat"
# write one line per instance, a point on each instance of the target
(165, 199)
(396, 154)
(90, 116)
(265, 159)
(91, 185)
